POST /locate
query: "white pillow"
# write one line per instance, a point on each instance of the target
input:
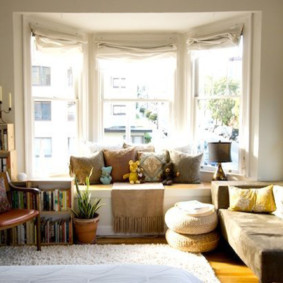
(278, 197)
(95, 146)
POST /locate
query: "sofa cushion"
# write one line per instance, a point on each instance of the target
(119, 160)
(252, 199)
(81, 167)
(4, 203)
(187, 165)
(257, 239)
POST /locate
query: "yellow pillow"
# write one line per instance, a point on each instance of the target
(252, 200)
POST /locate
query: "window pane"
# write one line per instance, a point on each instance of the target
(41, 76)
(43, 147)
(218, 120)
(219, 72)
(63, 134)
(53, 73)
(142, 80)
(42, 110)
(145, 121)
(55, 130)
(218, 86)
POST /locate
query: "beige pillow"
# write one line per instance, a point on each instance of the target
(252, 199)
(81, 167)
(119, 160)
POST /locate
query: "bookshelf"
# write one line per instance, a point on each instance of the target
(56, 216)
(7, 150)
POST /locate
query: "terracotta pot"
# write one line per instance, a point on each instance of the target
(85, 230)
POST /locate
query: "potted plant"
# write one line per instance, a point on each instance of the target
(86, 217)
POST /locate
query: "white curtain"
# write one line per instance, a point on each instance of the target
(225, 38)
(135, 50)
(49, 40)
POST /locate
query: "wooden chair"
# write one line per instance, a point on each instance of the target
(15, 217)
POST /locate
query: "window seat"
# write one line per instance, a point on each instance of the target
(173, 194)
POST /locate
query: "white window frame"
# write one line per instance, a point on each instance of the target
(98, 101)
(244, 119)
(80, 100)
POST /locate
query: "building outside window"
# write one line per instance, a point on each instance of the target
(41, 76)
(42, 111)
(217, 100)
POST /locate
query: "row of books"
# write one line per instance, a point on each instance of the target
(55, 200)
(23, 200)
(3, 164)
(3, 139)
(55, 231)
(52, 231)
(3, 237)
(24, 234)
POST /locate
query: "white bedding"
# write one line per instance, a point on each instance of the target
(110, 273)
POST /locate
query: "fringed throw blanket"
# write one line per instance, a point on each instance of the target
(138, 208)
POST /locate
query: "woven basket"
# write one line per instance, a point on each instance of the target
(192, 243)
(183, 223)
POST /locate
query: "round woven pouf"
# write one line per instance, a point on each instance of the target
(183, 223)
(192, 243)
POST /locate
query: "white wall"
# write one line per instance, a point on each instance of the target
(265, 159)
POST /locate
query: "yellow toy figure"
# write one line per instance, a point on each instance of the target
(133, 175)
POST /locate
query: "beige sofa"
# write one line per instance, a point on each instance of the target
(256, 238)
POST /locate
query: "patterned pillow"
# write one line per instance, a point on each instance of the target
(119, 160)
(152, 165)
(252, 199)
(188, 167)
(81, 166)
(4, 203)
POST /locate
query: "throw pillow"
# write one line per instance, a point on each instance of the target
(95, 146)
(278, 197)
(4, 203)
(188, 167)
(252, 199)
(81, 167)
(152, 165)
(119, 160)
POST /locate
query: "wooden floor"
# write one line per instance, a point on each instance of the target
(225, 263)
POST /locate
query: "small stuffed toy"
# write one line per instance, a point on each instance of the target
(141, 176)
(133, 175)
(105, 177)
(169, 174)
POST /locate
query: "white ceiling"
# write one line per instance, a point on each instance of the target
(133, 22)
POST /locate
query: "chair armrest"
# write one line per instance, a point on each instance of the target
(24, 189)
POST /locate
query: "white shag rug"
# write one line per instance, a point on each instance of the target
(160, 254)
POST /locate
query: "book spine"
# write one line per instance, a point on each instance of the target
(5, 139)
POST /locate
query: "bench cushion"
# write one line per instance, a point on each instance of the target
(257, 239)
